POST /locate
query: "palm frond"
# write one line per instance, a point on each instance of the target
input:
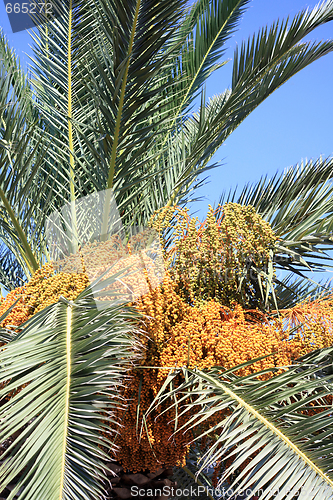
(122, 107)
(205, 30)
(57, 90)
(290, 291)
(68, 362)
(265, 63)
(21, 159)
(207, 27)
(268, 428)
(12, 275)
(186, 160)
(132, 91)
(262, 65)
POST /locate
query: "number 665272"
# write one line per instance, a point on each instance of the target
(29, 8)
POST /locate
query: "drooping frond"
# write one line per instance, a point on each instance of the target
(67, 364)
(263, 429)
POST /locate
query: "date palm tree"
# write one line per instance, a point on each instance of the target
(96, 111)
(107, 104)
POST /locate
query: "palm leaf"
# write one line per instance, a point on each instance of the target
(260, 67)
(269, 429)
(132, 91)
(110, 104)
(263, 64)
(290, 291)
(68, 360)
(11, 273)
(103, 97)
(22, 194)
(207, 27)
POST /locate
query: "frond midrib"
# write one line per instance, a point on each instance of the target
(269, 425)
(67, 393)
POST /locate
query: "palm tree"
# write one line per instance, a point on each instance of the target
(99, 112)
(107, 105)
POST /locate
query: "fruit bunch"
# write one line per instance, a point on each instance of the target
(44, 288)
(219, 258)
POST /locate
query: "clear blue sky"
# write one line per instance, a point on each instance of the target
(294, 123)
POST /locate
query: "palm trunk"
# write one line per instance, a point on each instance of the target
(147, 485)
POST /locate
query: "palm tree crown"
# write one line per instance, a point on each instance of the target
(107, 107)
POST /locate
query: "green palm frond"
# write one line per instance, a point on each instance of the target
(22, 194)
(117, 93)
(14, 78)
(69, 361)
(11, 273)
(184, 159)
(283, 39)
(207, 27)
(110, 104)
(269, 428)
(257, 73)
(290, 291)
(176, 172)
(132, 93)
(57, 89)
